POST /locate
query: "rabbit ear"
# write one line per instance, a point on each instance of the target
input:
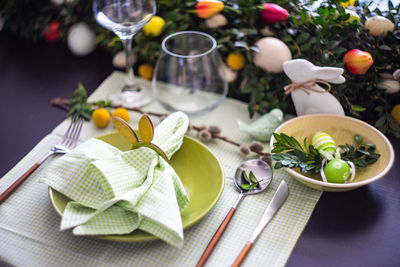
(333, 75)
(327, 73)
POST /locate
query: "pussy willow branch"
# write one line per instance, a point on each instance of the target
(64, 104)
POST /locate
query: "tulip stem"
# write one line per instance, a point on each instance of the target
(234, 10)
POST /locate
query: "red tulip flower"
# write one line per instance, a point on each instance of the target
(207, 9)
(357, 61)
(273, 13)
(51, 33)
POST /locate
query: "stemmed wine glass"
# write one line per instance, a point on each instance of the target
(125, 18)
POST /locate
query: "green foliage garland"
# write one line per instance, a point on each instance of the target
(321, 36)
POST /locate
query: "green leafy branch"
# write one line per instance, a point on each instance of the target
(288, 152)
(78, 105)
(361, 154)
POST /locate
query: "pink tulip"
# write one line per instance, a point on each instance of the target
(273, 13)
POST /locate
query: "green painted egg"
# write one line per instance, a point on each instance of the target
(324, 143)
(337, 171)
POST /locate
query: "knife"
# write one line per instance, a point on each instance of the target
(277, 201)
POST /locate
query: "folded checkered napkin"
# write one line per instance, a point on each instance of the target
(117, 192)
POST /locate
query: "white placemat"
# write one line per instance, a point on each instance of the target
(29, 227)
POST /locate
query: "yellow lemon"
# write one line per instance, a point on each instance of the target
(122, 113)
(236, 61)
(145, 71)
(101, 117)
(396, 113)
(154, 27)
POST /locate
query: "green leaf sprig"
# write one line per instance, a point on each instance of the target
(80, 107)
(252, 181)
(361, 154)
(78, 104)
(288, 152)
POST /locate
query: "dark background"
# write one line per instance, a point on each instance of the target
(355, 228)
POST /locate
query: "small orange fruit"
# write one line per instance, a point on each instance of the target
(122, 113)
(236, 61)
(396, 113)
(145, 71)
(101, 117)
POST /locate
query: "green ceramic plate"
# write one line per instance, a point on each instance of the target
(199, 170)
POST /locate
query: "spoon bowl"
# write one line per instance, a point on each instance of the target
(261, 170)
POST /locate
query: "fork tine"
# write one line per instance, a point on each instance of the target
(69, 139)
(65, 136)
(75, 135)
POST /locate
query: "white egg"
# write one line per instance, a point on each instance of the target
(227, 73)
(216, 21)
(390, 86)
(119, 60)
(81, 39)
(396, 75)
(273, 52)
(378, 25)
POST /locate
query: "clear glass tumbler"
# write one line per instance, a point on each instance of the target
(187, 76)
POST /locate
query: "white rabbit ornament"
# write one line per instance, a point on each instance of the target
(315, 99)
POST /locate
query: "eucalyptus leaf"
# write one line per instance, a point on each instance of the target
(245, 186)
(380, 122)
(300, 155)
(303, 37)
(253, 178)
(385, 47)
(358, 139)
(358, 108)
(245, 177)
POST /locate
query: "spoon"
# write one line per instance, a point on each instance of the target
(263, 172)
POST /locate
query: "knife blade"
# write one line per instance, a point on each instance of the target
(276, 203)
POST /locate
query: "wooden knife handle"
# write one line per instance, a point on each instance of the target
(17, 183)
(242, 254)
(217, 236)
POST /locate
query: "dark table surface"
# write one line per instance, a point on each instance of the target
(355, 228)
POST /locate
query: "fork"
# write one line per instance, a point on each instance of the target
(66, 143)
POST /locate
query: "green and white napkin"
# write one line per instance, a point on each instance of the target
(115, 192)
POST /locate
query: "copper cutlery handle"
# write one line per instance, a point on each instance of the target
(17, 183)
(242, 254)
(217, 236)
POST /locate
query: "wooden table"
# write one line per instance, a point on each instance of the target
(356, 228)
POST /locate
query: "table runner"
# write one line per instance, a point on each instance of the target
(29, 227)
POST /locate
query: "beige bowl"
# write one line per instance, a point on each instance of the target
(342, 129)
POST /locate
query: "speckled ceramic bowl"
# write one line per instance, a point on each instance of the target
(342, 129)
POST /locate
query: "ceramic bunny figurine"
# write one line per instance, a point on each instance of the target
(301, 70)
